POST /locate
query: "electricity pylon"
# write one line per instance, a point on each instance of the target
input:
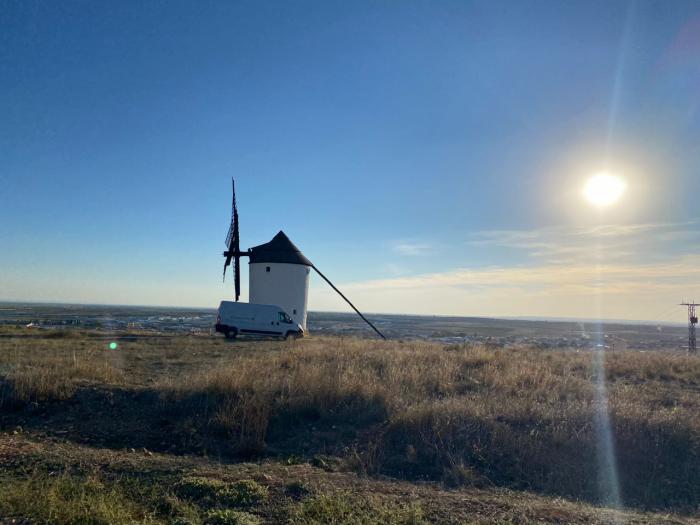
(692, 321)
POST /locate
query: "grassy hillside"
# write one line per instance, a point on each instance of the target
(332, 430)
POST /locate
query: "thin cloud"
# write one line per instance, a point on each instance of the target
(586, 277)
(613, 290)
(395, 269)
(611, 242)
(412, 248)
(632, 271)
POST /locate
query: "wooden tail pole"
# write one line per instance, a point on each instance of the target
(348, 301)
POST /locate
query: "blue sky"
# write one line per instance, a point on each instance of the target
(428, 156)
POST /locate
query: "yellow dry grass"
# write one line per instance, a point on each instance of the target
(519, 417)
(51, 368)
(463, 415)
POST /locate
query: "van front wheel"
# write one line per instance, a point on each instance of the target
(231, 334)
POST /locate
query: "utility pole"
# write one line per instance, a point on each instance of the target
(692, 321)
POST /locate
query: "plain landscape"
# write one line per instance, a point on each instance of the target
(453, 423)
(499, 197)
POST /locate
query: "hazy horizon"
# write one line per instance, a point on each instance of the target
(351, 313)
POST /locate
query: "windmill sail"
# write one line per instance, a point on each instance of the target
(233, 246)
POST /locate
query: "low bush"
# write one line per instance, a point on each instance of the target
(346, 509)
(201, 490)
(230, 517)
(296, 490)
(245, 493)
(216, 493)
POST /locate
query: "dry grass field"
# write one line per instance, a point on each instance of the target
(195, 429)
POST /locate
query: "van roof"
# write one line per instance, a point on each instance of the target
(279, 250)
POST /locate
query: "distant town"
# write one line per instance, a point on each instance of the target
(498, 333)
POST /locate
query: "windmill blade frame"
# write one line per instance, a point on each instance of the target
(233, 245)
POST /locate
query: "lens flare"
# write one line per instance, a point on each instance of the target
(113, 345)
(604, 189)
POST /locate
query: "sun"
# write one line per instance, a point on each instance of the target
(604, 189)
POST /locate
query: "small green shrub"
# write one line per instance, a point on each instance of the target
(293, 460)
(169, 505)
(323, 462)
(183, 521)
(230, 517)
(296, 490)
(215, 493)
(199, 489)
(346, 509)
(244, 493)
(179, 511)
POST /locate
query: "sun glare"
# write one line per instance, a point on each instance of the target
(604, 189)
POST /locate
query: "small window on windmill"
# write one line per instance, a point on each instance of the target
(267, 268)
(294, 312)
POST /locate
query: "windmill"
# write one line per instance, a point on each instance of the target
(278, 272)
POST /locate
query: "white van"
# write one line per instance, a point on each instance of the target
(255, 319)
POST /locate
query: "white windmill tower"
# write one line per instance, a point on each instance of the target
(278, 273)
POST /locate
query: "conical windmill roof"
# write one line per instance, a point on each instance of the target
(279, 250)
